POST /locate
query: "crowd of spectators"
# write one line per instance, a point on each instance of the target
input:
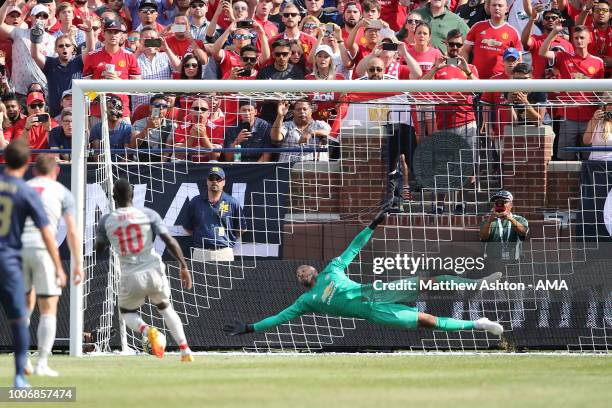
(44, 44)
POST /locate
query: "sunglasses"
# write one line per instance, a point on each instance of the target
(199, 108)
(43, 16)
(240, 9)
(376, 69)
(37, 106)
(455, 45)
(412, 21)
(287, 15)
(148, 11)
(214, 178)
(310, 26)
(249, 59)
(281, 54)
(64, 45)
(197, 5)
(550, 18)
(601, 10)
(159, 105)
(242, 36)
(194, 65)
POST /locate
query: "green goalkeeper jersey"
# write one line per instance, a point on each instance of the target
(333, 293)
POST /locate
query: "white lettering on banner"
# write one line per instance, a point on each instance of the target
(185, 193)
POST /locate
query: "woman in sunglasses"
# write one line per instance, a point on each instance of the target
(406, 33)
(310, 25)
(190, 67)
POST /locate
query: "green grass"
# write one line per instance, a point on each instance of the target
(332, 381)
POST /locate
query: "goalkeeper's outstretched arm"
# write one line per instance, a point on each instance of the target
(237, 327)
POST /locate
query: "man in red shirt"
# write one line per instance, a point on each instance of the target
(199, 132)
(181, 42)
(262, 11)
(533, 43)
(291, 20)
(351, 16)
(36, 126)
(488, 39)
(147, 12)
(601, 41)
(579, 65)
(111, 62)
(394, 12)
(241, 37)
(371, 35)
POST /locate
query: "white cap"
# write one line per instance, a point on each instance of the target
(325, 48)
(13, 9)
(39, 8)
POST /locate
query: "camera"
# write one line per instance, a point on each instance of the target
(37, 32)
(389, 46)
(42, 118)
(607, 116)
(248, 24)
(246, 72)
(155, 112)
(245, 126)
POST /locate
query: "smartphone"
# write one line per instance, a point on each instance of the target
(248, 24)
(153, 42)
(43, 117)
(389, 46)
(329, 28)
(607, 116)
(246, 72)
(155, 112)
(245, 126)
(178, 28)
(452, 61)
(548, 5)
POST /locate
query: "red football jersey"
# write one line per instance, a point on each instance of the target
(454, 115)
(539, 63)
(489, 43)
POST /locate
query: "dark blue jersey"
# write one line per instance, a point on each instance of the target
(17, 202)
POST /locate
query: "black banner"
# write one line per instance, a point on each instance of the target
(595, 216)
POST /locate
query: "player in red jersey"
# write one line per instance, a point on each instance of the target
(488, 39)
(579, 65)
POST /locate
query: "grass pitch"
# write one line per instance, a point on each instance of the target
(360, 380)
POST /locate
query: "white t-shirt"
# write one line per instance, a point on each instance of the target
(25, 71)
(598, 140)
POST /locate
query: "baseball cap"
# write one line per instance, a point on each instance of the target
(511, 52)
(325, 48)
(114, 25)
(216, 171)
(502, 195)
(355, 4)
(39, 8)
(14, 9)
(35, 96)
(147, 4)
(67, 92)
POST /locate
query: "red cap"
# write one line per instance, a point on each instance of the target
(35, 96)
(355, 4)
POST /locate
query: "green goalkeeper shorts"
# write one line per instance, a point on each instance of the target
(393, 314)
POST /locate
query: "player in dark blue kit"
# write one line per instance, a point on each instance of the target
(17, 202)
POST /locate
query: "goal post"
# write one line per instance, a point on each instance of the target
(82, 90)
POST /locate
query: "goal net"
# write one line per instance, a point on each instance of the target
(448, 146)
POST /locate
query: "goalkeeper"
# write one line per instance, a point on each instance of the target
(332, 292)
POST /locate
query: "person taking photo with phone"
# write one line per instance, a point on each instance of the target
(35, 127)
(251, 132)
(599, 131)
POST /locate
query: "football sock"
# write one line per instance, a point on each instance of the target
(135, 322)
(46, 337)
(450, 324)
(21, 342)
(173, 321)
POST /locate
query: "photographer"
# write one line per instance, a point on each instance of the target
(502, 229)
(36, 126)
(250, 132)
(153, 132)
(599, 132)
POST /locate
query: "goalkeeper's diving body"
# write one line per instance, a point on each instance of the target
(332, 292)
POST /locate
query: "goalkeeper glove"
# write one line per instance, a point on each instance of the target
(381, 215)
(238, 328)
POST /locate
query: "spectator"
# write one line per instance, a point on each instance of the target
(406, 33)
(65, 13)
(14, 17)
(179, 8)
(599, 132)
(251, 132)
(6, 85)
(12, 110)
(82, 12)
(503, 231)
(422, 51)
(281, 68)
(36, 126)
(133, 41)
(487, 40)
(190, 68)
(154, 62)
(315, 8)
(341, 58)
(371, 10)
(24, 69)
(276, 15)
(296, 57)
(153, 132)
(518, 12)
(310, 25)
(291, 20)
(241, 37)
(61, 70)
(148, 14)
(302, 131)
(394, 12)
(118, 7)
(61, 136)
(119, 131)
(262, 13)
(441, 20)
(522, 104)
(351, 16)
(198, 132)
(198, 23)
(53, 23)
(181, 42)
(533, 43)
(578, 65)
(393, 68)
(601, 29)
(249, 57)
(65, 103)
(371, 36)
(472, 11)
(214, 221)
